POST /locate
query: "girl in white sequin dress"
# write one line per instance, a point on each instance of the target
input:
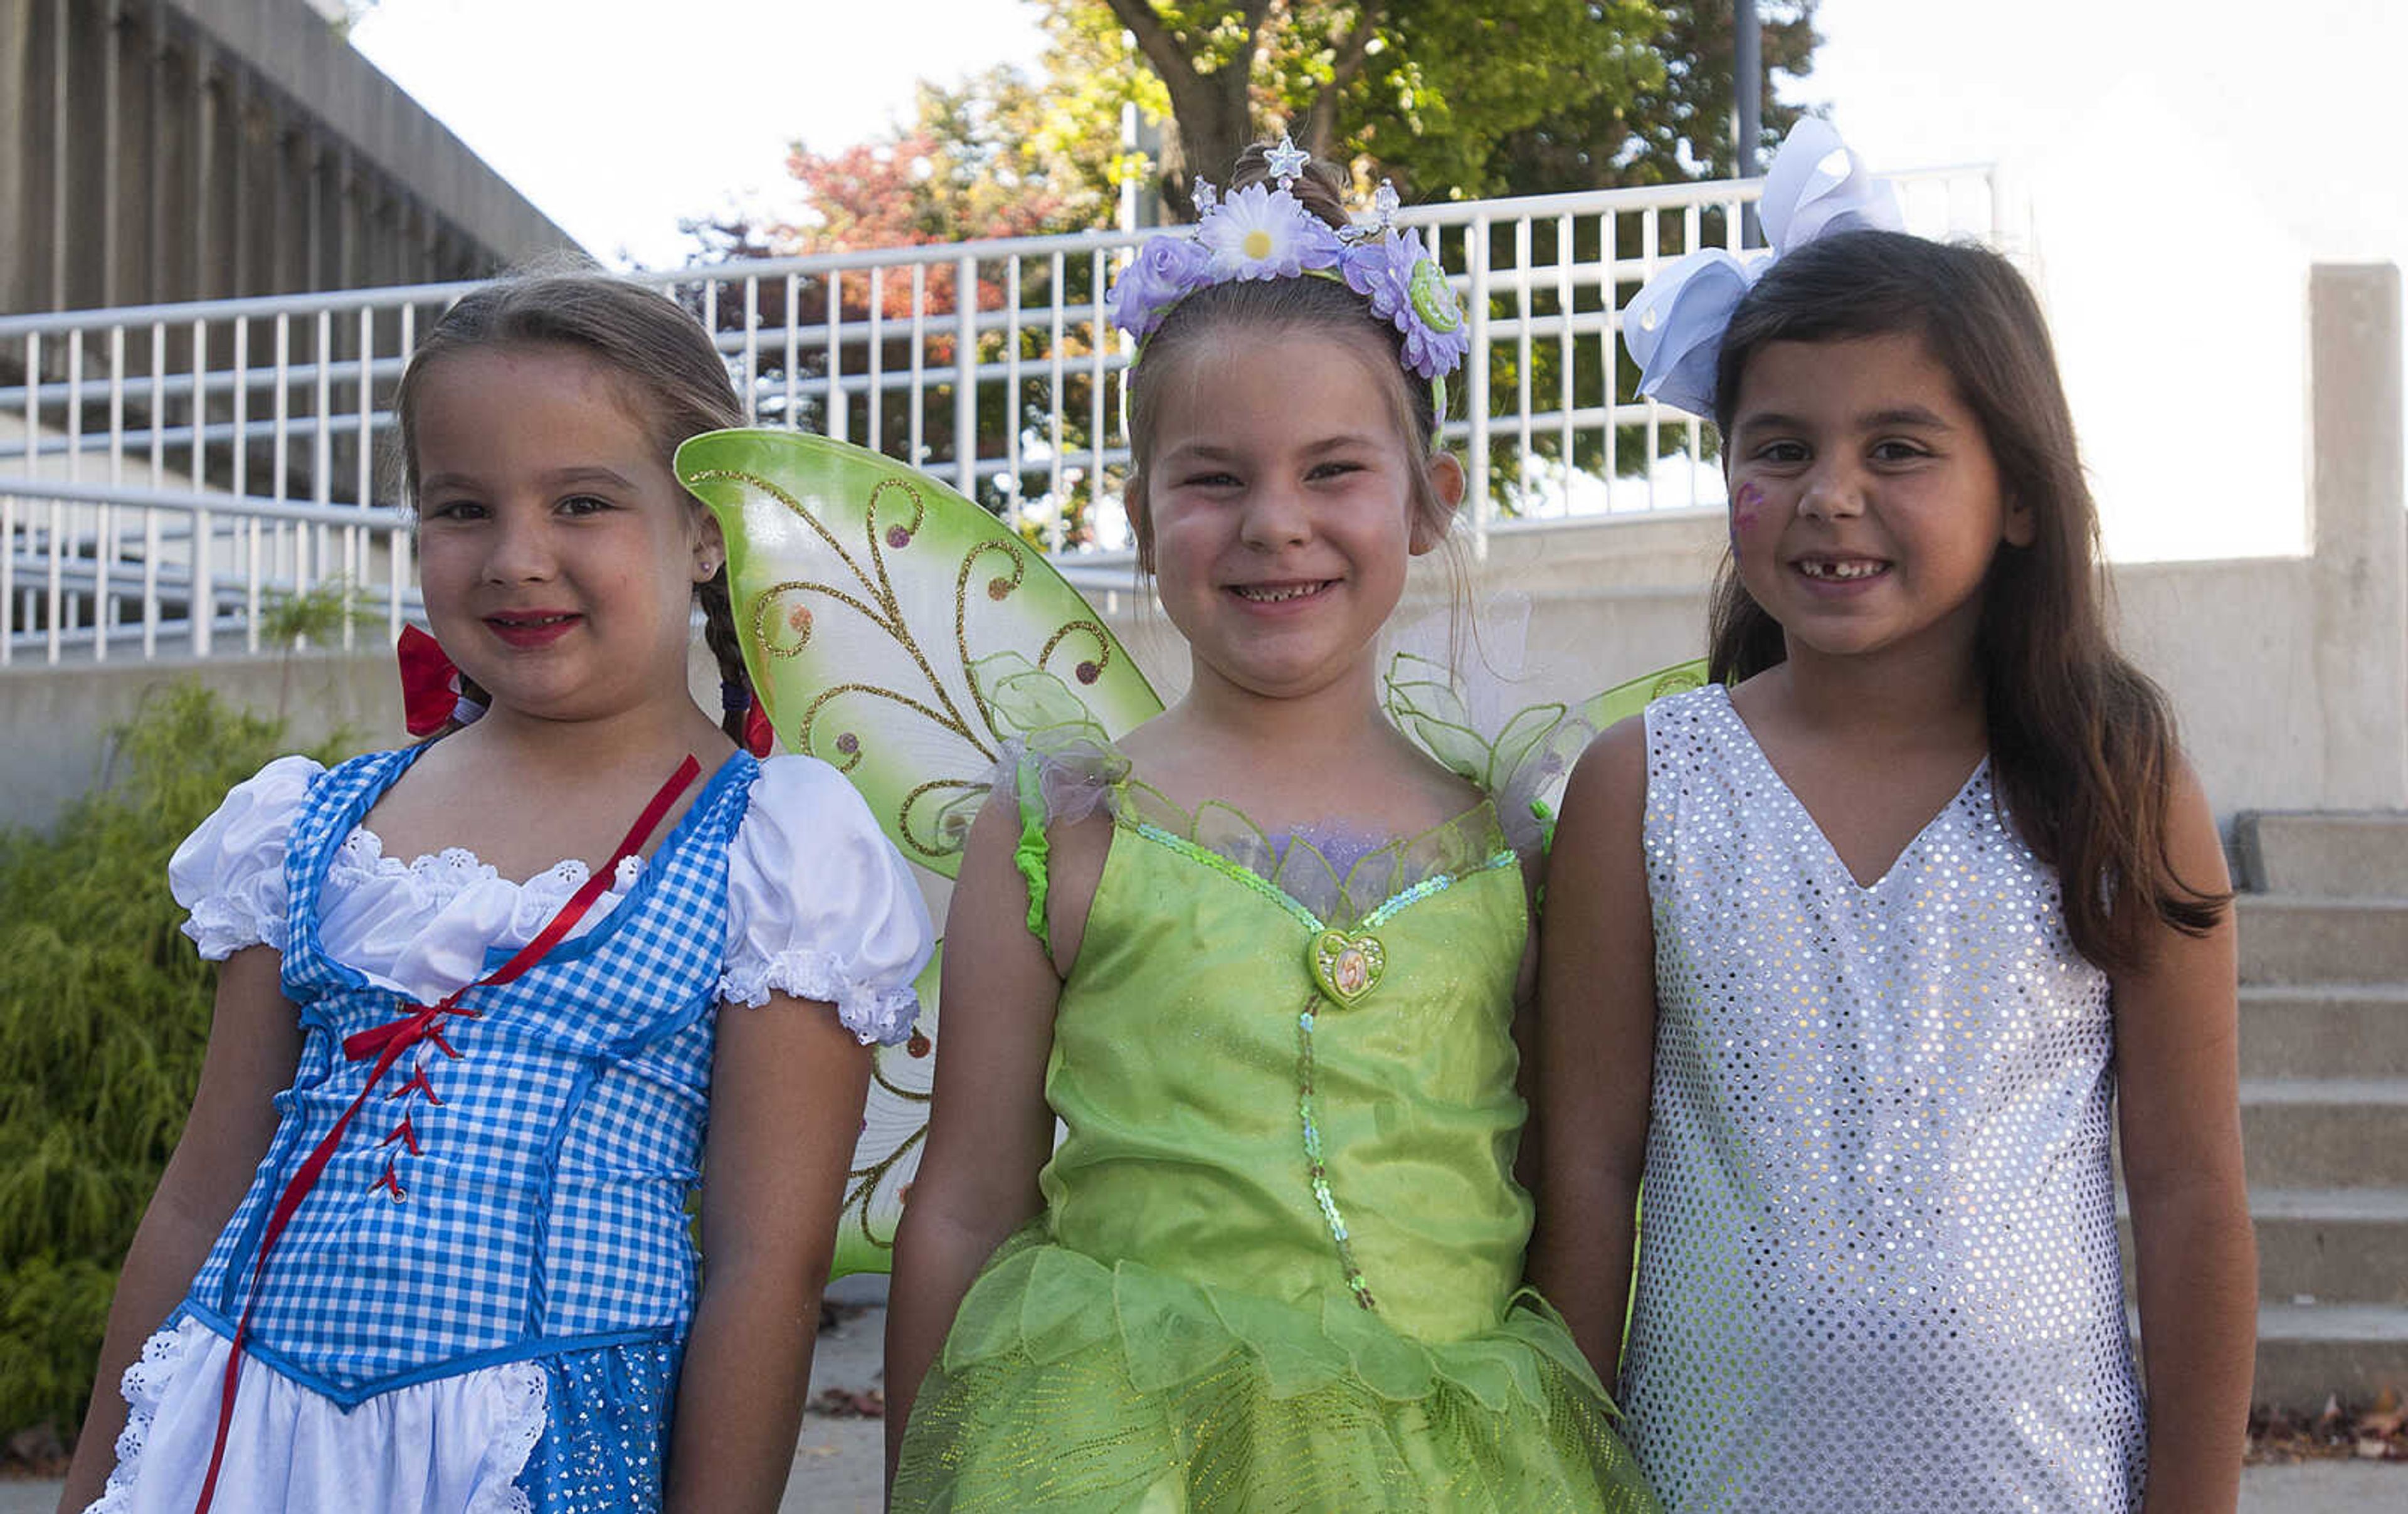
(1858, 954)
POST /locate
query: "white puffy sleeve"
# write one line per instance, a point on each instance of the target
(820, 905)
(229, 873)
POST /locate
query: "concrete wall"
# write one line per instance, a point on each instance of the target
(58, 720)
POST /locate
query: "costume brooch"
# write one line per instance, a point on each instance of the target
(1263, 231)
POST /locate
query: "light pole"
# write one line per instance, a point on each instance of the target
(1747, 93)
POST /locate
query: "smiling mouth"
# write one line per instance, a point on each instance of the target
(1840, 569)
(535, 630)
(1280, 593)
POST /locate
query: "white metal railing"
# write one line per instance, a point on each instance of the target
(90, 569)
(246, 440)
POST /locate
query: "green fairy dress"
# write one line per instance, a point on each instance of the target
(1281, 1258)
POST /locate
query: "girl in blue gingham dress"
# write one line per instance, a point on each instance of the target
(446, 1268)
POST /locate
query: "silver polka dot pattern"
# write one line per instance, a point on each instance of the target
(1878, 1264)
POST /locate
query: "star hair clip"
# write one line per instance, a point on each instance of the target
(1263, 231)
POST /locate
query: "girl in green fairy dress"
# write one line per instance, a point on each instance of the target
(1260, 958)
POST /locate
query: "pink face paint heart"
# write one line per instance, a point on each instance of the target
(1745, 507)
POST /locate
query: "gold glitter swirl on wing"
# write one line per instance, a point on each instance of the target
(877, 603)
(941, 846)
(820, 701)
(768, 600)
(1091, 669)
(997, 589)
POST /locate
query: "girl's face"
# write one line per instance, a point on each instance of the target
(1280, 496)
(557, 554)
(1865, 503)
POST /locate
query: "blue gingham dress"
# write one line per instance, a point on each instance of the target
(515, 1213)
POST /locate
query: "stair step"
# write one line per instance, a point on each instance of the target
(2359, 854)
(2308, 1352)
(2325, 1132)
(2321, 1245)
(2323, 1031)
(2292, 939)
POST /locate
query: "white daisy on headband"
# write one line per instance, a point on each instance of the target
(1265, 232)
(1262, 233)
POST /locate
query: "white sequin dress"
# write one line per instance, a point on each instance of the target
(1878, 1264)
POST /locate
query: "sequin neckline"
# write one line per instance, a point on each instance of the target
(1815, 827)
(1473, 859)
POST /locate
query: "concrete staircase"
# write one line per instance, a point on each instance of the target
(2324, 1098)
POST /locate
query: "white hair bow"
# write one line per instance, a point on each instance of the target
(1674, 325)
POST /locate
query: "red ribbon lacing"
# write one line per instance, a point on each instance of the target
(388, 1043)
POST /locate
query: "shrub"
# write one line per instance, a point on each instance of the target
(103, 1013)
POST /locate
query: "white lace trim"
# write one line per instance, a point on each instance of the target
(224, 924)
(443, 877)
(875, 1015)
(162, 1361)
(506, 1456)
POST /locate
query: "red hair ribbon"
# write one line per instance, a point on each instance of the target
(430, 685)
(737, 694)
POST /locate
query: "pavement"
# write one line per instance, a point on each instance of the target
(838, 1462)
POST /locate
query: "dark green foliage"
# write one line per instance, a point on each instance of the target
(103, 1013)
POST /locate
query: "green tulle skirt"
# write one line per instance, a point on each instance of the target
(1070, 1384)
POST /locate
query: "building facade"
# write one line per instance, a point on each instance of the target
(176, 149)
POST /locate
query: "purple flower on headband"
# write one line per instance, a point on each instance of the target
(1167, 270)
(1406, 288)
(1381, 270)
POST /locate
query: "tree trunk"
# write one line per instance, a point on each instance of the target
(1210, 110)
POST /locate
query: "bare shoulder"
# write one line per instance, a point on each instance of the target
(2194, 846)
(1612, 771)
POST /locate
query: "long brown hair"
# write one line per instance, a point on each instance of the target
(677, 383)
(2082, 743)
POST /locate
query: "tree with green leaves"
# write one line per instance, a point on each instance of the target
(1452, 101)
(1449, 100)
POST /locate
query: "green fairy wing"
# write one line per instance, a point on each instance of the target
(1520, 759)
(899, 632)
(1623, 700)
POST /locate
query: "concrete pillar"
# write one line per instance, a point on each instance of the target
(81, 229)
(293, 235)
(242, 182)
(318, 175)
(203, 178)
(113, 177)
(18, 264)
(168, 153)
(220, 272)
(61, 131)
(2359, 535)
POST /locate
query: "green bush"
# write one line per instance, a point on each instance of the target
(103, 1013)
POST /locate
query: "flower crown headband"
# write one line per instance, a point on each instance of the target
(1265, 232)
(1674, 325)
